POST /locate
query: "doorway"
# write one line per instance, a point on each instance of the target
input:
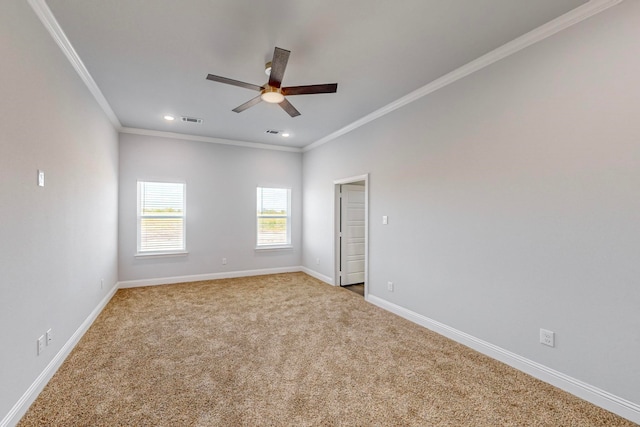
(351, 235)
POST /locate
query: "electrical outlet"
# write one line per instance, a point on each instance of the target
(385, 220)
(224, 261)
(40, 178)
(547, 338)
(390, 286)
(317, 261)
(101, 283)
(49, 336)
(40, 345)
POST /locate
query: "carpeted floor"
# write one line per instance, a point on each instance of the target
(285, 350)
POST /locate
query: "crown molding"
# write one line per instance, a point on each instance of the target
(188, 137)
(563, 22)
(51, 24)
(567, 20)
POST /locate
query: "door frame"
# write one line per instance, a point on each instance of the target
(336, 228)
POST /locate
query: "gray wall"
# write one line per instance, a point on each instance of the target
(59, 241)
(221, 204)
(511, 195)
(513, 202)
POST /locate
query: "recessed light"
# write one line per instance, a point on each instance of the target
(169, 118)
(285, 135)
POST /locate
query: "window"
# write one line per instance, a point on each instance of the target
(274, 217)
(161, 217)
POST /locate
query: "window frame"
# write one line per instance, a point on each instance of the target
(273, 246)
(139, 217)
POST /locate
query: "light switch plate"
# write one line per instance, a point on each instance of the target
(385, 220)
(40, 345)
(40, 178)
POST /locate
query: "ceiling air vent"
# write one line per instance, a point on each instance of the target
(272, 132)
(191, 120)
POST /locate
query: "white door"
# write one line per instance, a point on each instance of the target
(353, 234)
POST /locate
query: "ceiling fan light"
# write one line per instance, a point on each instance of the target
(272, 97)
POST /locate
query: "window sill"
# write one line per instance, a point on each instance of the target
(160, 254)
(274, 248)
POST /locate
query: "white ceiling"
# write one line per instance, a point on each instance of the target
(151, 57)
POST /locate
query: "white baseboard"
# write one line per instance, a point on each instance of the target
(599, 397)
(317, 275)
(209, 276)
(29, 396)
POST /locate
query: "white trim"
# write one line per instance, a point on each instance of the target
(570, 18)
(29, 396)
(260, 190)
(53, 27)
(22, 405)
(595, 395)
(186, 137)
(210, 276)
(143, 255)
(51, 24)
(552, 27)
(318, 276)
(141, 200)
(352, 179)
(336, 222)
(273, 248)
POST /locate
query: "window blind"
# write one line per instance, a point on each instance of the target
(273, 216)
(161, 216)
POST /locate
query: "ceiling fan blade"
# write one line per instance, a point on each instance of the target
(310, 89)
(248, 104)
(278, 65)
(286, 106)
(234, 82)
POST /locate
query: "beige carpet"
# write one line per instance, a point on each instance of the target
(285, 350)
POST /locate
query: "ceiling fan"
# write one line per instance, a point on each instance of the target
(273, 92)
